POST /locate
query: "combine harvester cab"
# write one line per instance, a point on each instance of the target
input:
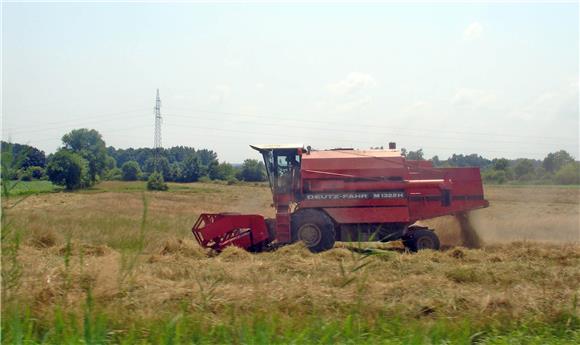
(347, 195)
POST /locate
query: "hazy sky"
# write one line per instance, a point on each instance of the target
(499, 80)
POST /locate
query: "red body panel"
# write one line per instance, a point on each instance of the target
(333, 180)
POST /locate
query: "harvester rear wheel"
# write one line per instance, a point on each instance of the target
(421, 239)
(314, 228)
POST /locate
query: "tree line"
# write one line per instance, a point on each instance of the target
(84, 159)
(556, 168)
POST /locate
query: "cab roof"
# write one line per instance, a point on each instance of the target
(266, 147)
(337, 154)
(332, 153)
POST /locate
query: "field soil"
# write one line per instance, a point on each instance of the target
(141, 263)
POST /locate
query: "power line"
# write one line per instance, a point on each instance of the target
(415, 129)
(96, 119)
(330, 139)
(327, 129)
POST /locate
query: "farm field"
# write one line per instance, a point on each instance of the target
(115, 264)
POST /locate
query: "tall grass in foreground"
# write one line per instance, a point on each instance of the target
(10, 236)
(92, 327)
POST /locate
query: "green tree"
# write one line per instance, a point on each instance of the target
(68, 169)
(90, 145)
(110, 163)
(174, 172)
(223, 171)
(131, 171)
(500, 164)
(190, 169)
(213, 170)
(28, 155)
(415, 155)
(569, 174)
(252, 170)
(162, 166)
(436, 161)
(524, 169)
(555, 160)
(206, 157)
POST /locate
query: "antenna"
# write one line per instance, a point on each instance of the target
(157, 142)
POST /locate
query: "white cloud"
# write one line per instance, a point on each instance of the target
(353, 83)
(473, 32)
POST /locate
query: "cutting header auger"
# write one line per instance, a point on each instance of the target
(323, 196)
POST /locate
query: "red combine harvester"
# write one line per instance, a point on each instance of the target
(346, 195)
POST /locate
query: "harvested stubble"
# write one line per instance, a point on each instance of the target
(502, 280)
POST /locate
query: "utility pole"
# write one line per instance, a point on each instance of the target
(157, 143)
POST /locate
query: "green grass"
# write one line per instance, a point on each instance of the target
(92, 327)
(31, 187)
(139, 186)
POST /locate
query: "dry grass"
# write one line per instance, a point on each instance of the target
(173, 274)
(516, 279)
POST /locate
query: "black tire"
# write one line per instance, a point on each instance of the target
(421, 239)
(314, 228)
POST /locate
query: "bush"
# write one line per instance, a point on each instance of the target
(68, 169)
(36, 172)
(24, 175)
(569, 174)
(130, 171)
(222, 171)
(204, 179)
(495, 176)
(156, 182)
(114, 174)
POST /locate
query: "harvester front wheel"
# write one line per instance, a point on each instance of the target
(314, 228)
(421, 239)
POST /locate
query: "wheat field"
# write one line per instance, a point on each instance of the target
(122, 263)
